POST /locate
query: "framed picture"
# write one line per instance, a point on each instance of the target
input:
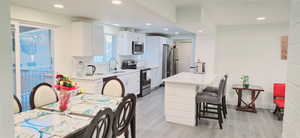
(284, 47)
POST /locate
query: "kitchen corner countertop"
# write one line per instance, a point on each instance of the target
(190, 78)
(105, 75)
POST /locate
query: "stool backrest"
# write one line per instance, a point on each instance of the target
(221, 88)
(279, 90)
(17, 105)
(100, 126)
(42, 94)
(124, 115)
(113, 87)
(225, 83)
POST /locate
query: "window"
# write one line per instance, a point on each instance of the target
(109, 49)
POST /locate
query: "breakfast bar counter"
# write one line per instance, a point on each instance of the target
(180, 92)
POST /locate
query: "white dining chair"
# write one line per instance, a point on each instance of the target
(17, 105)
(113, 87)
(42, 94)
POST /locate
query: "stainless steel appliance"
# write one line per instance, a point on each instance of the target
(145, 82)
(137, 48)
(169, 62)
(129, 64)
(91, 69)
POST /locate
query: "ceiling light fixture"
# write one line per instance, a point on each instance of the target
(116, 24)
(166, 29)
(200, 31)
(176, 33)
(117, 2)
(148, 24)
(261, 18)
(59, 6)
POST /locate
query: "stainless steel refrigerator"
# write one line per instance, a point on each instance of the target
(169, 63)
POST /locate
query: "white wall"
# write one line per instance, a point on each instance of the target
(62, 33)
(205, 50)
(253, 50)
(291, 122)
(6, 81)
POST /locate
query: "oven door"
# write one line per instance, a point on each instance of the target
(137, 48)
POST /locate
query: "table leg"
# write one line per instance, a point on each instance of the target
(239, 92)
(133, 127)
(253, 99)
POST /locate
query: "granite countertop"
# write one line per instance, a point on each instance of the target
(100, 76)
(191, 78)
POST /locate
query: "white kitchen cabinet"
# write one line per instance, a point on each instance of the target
(125, 40)
(87, 39)
(131, 82)
(156, 77)
(90, 86)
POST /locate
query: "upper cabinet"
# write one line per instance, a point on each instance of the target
(87, 39)
(125, 39)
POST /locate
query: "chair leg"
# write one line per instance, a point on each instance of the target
(276, 110)
(220, 117)
(224, 107)
(197, 113)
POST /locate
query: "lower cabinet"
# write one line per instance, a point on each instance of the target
(131, 82)
(90, 86)
(155, 77)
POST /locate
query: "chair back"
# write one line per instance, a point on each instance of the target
(279, 90)
(225, 83)
(221, 88)
(124, 115)
(100, 126)
(17, 105)
(42, 94)
(113, 87)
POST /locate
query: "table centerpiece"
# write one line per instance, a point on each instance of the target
(64, 86)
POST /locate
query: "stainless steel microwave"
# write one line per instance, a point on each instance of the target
(137, 48)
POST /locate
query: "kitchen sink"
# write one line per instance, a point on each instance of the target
(115, 72)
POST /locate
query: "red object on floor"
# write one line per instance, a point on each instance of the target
(279, 102)
(279, 97)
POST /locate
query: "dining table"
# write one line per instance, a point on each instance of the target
(48, 122)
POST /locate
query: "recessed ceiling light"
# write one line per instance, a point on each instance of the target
(148, 24)
(59, 6)
(116, 24)
(176, 33)
(166, 29)
(117, 2)
(200, 31)
(260, 18)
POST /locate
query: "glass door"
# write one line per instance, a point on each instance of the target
(33, 60)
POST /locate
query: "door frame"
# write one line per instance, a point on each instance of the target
(17, 61)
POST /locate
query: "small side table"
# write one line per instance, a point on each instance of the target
(255, 91)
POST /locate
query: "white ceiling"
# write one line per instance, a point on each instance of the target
(129, 14)
(237, 12)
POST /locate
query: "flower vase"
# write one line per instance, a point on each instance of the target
(64, 98)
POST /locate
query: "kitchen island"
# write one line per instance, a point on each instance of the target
(180, 92)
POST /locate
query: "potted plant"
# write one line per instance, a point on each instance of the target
(64, 86)
(245, 81)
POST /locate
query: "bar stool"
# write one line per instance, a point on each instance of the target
(212, 98)
(210, 89)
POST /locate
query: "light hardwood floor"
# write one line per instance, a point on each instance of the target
(151, 123)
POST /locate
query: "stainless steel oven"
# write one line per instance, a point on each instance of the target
(145, 82)
(137, 48)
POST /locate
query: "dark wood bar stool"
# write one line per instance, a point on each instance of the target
(125, 117)
(215, 99)
(210, 89)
